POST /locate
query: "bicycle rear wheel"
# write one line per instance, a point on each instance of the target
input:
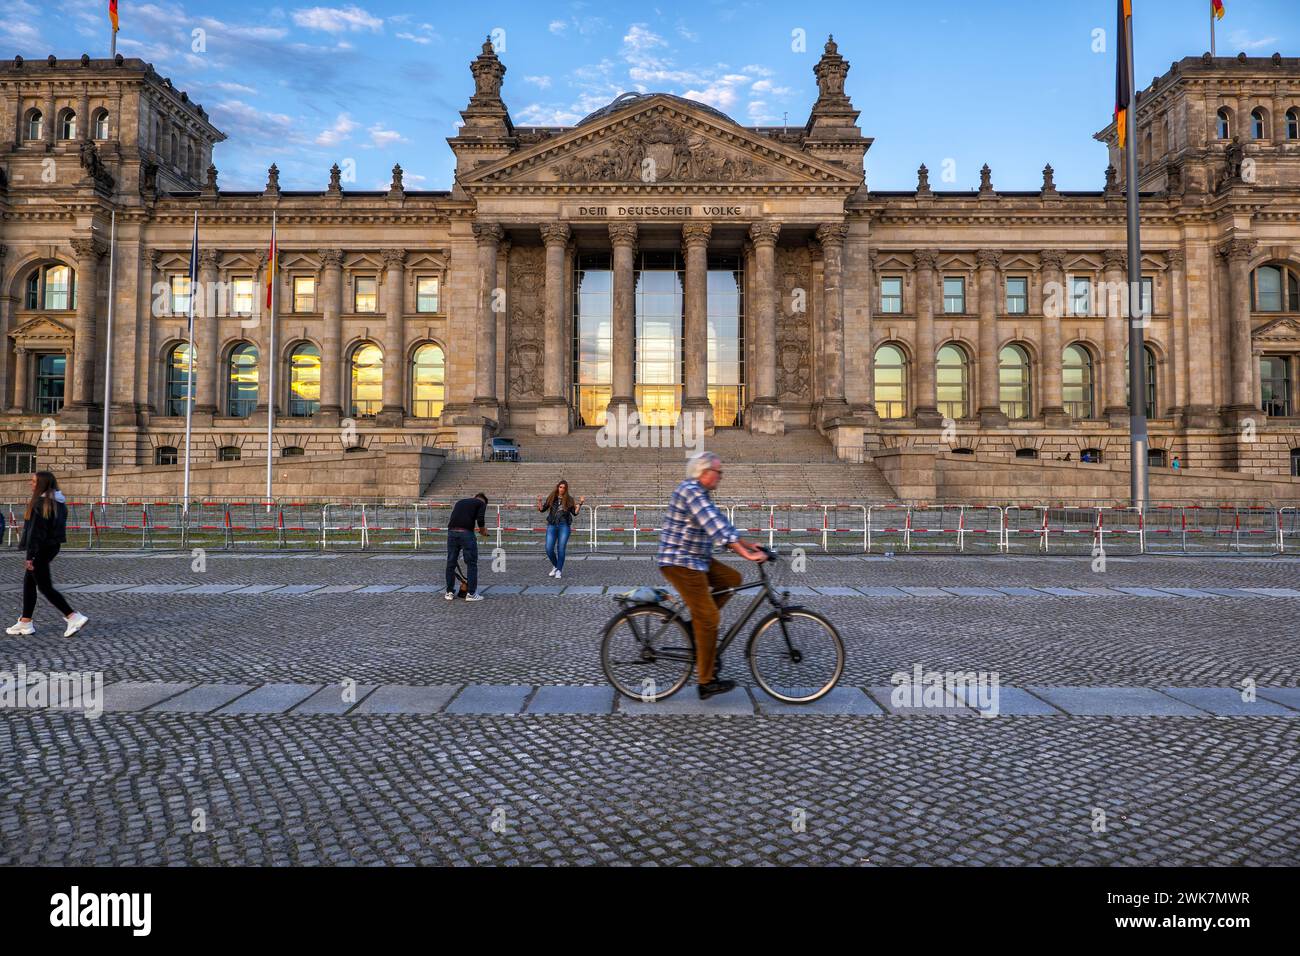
(796, 655)
(646, 654)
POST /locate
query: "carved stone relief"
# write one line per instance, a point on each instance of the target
(794, 326)
(527, 318)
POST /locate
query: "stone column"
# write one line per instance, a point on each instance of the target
(51, 120)
(207, 358)
(19, 405)
(84, 131)
(695, 335)
(990, 411)
(765, 414)
(1238, 253)
(393, 409)
(927, 408)
(88, 253)
(1052, 356)
(834, 404)
(488, 236)
(331, 352)
(1114, 263)
(553, 414)
(623, 236)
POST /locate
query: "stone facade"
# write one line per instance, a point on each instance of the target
(456, 311)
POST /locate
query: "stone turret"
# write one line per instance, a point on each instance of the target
(832, 130)
(487, 133)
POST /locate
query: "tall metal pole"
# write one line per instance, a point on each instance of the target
(1139, 479)
(270, 362)
(189, 376)
(108, 350)
(1213, 51)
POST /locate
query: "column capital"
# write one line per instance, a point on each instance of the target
(395, 258)
(1237, 250)
(925, 258)
(209, 258)
(832, 234)
(20, 350)
(488, 233)
(764, 233)
(1114, 259)
(989, 258)
(555, 233)
(1176, 259)
(696, 234)
(89, 248)
(1052, 259)
(623, 234)
(331, 258)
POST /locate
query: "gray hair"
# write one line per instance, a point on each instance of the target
(701, 462)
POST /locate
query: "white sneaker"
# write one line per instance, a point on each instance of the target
(557, 572)
(75, 623)
(473, 597)
(551, 573)
(449, 596)
(25, 628)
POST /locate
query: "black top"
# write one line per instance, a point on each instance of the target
(557, 513)
(40, 532)
(468, 512)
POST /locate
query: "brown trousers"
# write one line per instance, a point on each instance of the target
(696, 589)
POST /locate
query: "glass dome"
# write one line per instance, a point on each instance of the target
(624, 100)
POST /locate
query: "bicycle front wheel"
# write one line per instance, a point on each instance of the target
(796, 655)
(647, 654)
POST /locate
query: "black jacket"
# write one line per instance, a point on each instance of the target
(40, 532)
(468, 512)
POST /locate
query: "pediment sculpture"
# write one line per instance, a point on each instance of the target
(660, 151)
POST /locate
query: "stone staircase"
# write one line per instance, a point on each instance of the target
(799, 466)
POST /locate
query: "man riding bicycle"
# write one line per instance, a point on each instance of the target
(692, 528)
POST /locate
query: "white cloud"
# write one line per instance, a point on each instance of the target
(538, 114)
(542, 82)
(1242, 40)
(381, 137)
(413, 38)
(766, 86)
(228, 87)
(342, 128)
(558, 26)
(337, 19)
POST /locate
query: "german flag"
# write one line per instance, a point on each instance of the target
(1123, 93)
(112, 13)
(1216, 7)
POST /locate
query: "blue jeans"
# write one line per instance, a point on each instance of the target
(557, 539)
(458, 542)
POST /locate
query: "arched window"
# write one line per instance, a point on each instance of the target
(241, 381)
(304, 380)
(428, 378)
(1225, 123)
(891, 382)
(228, 453)
(67, 125)
(1013, 382)
(1258, 124)
(1077, 381)
(1150, 355)
(35, 125)
(178, 380)
(165, 455)
(1275, 289)
(18, 459)
(1026, 452)
(52, 287)
(100, 124)
(292, 451)
(367, 380)
(952, 381)
(1293, 124)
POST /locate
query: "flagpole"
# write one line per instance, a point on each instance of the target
(1139, 466)
(1213, 52)
(189, 366)
(270, 364)
(108, 350)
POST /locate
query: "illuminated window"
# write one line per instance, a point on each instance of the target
(100, 121)
(1013, 382)
(1077, 381)
(241, 381)
(35, 125)
(365, 294)
(304, 381)
(51, 287)
(891, 294)
(304, 293)
(1017, 295)
(367, 380)
(426, 294)
(428, 378)
(178, 380)
(67, 125)
(891, 382)
(952, 382)
(241, 295)
(180, 295)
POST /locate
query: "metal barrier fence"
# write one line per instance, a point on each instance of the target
(851, 527)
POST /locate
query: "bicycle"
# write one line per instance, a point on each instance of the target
(795, 653)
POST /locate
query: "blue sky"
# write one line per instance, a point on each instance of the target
(1015, 84)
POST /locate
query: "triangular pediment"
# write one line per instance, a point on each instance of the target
(1279, 331)
(42, 331)
(664, 142)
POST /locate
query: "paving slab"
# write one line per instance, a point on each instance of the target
(584, 589)
(424, 589)
(329, 700)
(1100, 592)
(1065, 592)
(1233, 592)
(501, 589)
(802, 590)
(380, 588)
(1274, 592)
(736, 703)
(1144, 592)
(97, 588)
(337, 589)
(270, 699)
(1010, 702)
(202, 699)
(883, 592)
(256, 589)
(126, 696)
(543, 589)
(834, 591)
(926, 592)
(214, 589)
(951, 708)
(407, 699)
(975, 592)
(490, 699)
(1115, 702)
(1023, 592)
(840, 700)
(1227, 702)
(1189, 592)
(1287, 696)
(157, 588)
(298, 589)
(552, 699)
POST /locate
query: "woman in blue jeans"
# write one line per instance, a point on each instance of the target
(560, 511)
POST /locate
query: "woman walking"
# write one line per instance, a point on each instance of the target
(44, 530)
(560, 510)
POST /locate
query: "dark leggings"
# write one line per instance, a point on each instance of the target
(39, 579)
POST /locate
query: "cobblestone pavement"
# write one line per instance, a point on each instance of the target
(466, 786)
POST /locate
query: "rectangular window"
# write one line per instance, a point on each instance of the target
(1080, 295)
(365, 294)
(58, 288)
(1268, 292)
(891, 294)
(1148, 296)
(241, 295)
(1275, 385)
(954, 295)
(426, 294)
(180, 295)
(1017, 295)
(51, 369)
(304, 293)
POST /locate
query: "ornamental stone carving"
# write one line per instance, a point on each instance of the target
(925, 258)
(525, 354)
(555, 232)
(794, 326)
(488, 232)
(1239, 250)
(764, 233)
(1114, 259)
(658, 151)
(1052, 259)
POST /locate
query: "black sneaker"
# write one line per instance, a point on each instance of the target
(715, 686)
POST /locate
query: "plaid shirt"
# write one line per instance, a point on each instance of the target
(692, 528)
